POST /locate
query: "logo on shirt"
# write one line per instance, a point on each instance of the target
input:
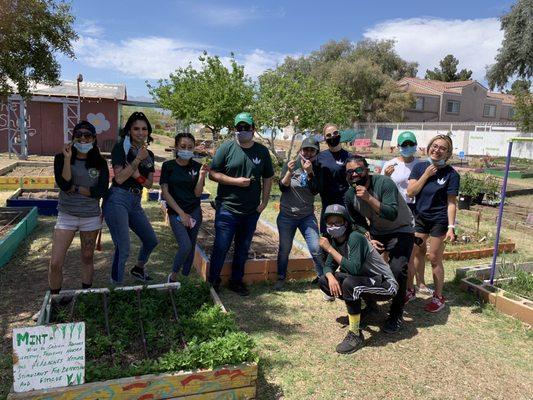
(93, 173)
(256, 161)
(339, 162)
(193, 173)
(441, 181)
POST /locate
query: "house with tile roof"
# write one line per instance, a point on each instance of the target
(463, 101)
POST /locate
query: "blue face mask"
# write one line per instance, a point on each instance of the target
(440, 163)
(407, 151)
(126, 144)
(185, 154)
(83, 147)
(244, 136)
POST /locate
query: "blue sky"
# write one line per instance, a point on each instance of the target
(134, 41)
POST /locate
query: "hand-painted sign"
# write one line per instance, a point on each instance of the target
(48, 356)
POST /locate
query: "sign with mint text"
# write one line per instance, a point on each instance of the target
(48, 356)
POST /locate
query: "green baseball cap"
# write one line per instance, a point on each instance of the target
(406, 136)
(244, 117)
(310, 142)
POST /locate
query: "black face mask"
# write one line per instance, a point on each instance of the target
(334, 141)
(359, 182)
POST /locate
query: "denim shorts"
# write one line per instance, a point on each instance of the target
(72, 223)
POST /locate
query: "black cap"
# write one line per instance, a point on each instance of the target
(85, 125)
(310, 142)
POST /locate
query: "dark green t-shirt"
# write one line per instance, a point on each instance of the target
(234, 161)
(119, 158)
(181, 181)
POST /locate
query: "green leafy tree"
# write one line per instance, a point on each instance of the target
(448, 71)
(212, 95)
(519, 85)
(515, 56)
(524, 111)
(32, 34)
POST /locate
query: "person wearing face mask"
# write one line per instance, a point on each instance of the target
(243, 169)
(182, 182)
(362, 274)
(133, 166)
(82, 176)
(435, 186)
(330, 171)
(298, 189)
(377, 199)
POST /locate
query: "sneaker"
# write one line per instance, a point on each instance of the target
(351, 343)
(393, 325)
(410, 295)
(280, 284)
(327, 297)
(140, 274)
(239, 288)
(426, 290)
(436, 304)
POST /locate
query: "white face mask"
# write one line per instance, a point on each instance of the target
(185, 154)
(336, 231)
(126, 144)
(83, 147)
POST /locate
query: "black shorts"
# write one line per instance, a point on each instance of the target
(434, 229)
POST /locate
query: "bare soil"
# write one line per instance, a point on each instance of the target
(43, 195)
(9, 219)
(31, 171)
(264, 244)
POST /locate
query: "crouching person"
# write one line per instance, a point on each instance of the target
(363, 274)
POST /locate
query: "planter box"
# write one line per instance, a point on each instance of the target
(44, 206)
(26, 182)
(11, 239)
(227, 382)
(512, 174)
(483, 271)
(521, 309)
(506, 247)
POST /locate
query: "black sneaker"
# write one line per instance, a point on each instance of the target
(393, 325)
(239, 288)
(140, 274)
(279, 285)
(351, 343)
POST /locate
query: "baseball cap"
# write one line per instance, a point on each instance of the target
(85, 125)
(406, 136)
(310, 142)
(337, 209)
(244, 117)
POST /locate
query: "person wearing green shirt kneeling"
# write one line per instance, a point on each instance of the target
(362, 274)
(243, 170)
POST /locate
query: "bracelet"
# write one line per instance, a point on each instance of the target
(451, 226)
(141, 179)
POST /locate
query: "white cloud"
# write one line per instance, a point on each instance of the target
(221, 15)
(156, 57)
(427, 40)
(90, 28)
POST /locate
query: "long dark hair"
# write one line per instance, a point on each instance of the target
(136, 116)
(94, 158)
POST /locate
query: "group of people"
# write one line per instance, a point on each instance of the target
(369, 244)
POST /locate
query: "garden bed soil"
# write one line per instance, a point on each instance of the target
(9, 219)
(21, 171)
(40, 194)
(45, 200)
(140, 347)
(15, 225)
(262, 263)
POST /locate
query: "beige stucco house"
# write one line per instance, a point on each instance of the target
(462, 101)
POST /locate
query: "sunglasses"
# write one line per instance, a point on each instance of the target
(408, 144)
(83, 134)
(243, 127)
(331, 134)
(358, 171)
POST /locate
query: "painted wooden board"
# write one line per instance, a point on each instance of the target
(11, 240)
(9, 182)
(38, 182)
(232, 382)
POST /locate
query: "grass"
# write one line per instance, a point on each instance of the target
(520, 284)
(467, 351)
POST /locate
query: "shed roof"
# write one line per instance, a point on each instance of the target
(87, 90)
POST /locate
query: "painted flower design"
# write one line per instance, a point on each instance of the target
(99, 121)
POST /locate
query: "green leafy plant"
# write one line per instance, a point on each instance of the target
(470, 186)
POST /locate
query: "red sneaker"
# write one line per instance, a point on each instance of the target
(409, 296)
(436, 304)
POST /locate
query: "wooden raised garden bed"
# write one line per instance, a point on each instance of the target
(505, 247)
(28, 175)
(509, 300)
(45, 200)
(140, 337)
(15, 225)
(262, 263)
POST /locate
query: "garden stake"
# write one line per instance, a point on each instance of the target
(72, 305)
(106, 315)
(141, 323)
(173, 305)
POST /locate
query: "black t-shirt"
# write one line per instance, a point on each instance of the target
(181, 181)
(331, 172)
(118, 158)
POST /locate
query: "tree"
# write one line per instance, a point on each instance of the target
(32, 34)
(524, 111)
(519, 85)
(448, 71)
(211, 96)
(515, 56)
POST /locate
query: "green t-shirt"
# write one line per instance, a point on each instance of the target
(234, 161)
(181, 181)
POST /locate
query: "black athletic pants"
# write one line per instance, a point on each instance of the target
(399, 246)
(355, 288)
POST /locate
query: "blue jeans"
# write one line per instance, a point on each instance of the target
(122, 211)
(287, 226)
(186, 239)
(229, 225)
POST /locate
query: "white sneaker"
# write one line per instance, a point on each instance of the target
(327, 298)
